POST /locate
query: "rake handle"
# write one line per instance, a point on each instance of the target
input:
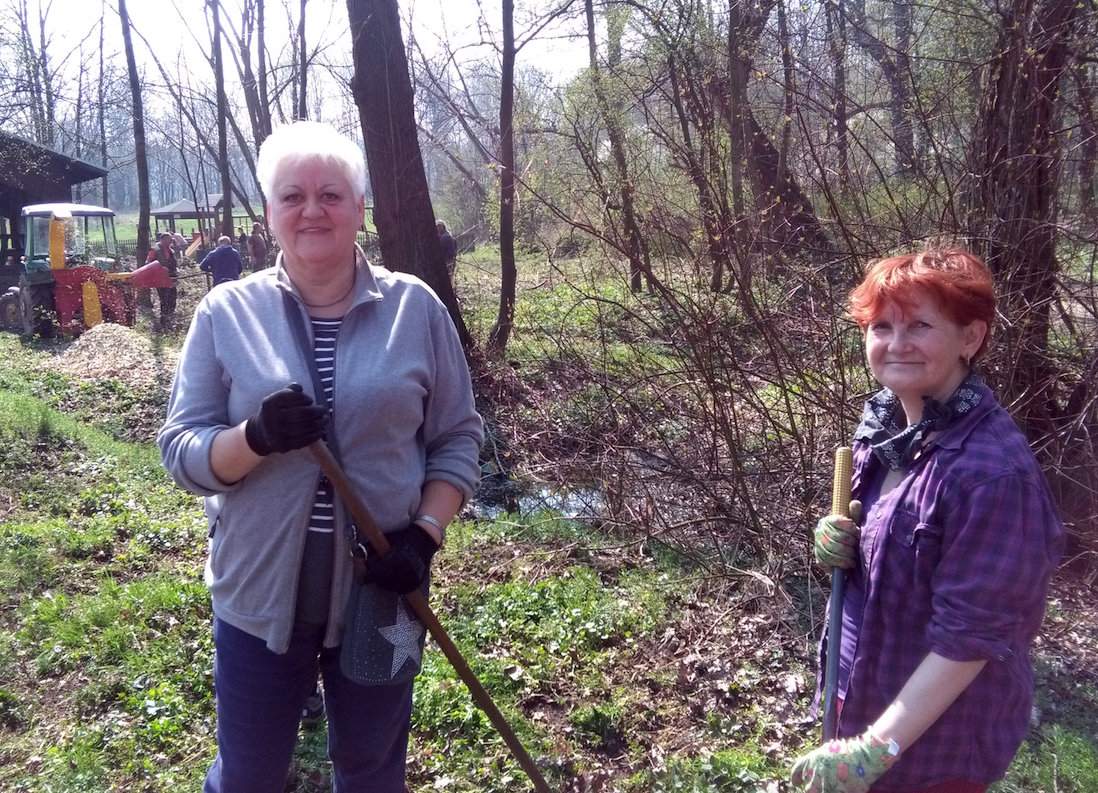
(840, 505)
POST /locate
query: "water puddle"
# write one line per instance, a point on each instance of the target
(575, 504)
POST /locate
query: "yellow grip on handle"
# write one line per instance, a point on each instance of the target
(840, 485)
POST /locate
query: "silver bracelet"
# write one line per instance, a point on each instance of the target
(431, 520)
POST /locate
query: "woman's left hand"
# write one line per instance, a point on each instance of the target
(406, 565)
(844, 765)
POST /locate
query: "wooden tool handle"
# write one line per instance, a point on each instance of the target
(840, 505)
(840, 484)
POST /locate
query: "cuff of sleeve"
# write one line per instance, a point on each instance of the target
(463, 485)
(958, 647)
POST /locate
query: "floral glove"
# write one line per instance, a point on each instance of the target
(837, 539)
(845, 765)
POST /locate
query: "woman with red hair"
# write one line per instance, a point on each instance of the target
(947, 575)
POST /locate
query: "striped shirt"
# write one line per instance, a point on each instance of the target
(315, 583)
(324, 342)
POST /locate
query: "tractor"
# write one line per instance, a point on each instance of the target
(68, 278)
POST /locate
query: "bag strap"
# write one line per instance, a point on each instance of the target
(301, 336)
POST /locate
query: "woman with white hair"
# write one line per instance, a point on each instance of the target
(385, 382)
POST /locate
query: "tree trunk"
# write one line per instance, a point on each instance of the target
(739, 61)
(788, 90)
(501, 331)
(902, 106)
(403, 214)
(693, 155)
(222, 133)
(102, 102)
(48, 93)
(834, 15)
(78, 138)
(1088, 188)
(138, 137)
(255, 88)
(635, 246)
(895, 65)
(302, 110)
(264, 101)
(1015, 165)
(788, 216)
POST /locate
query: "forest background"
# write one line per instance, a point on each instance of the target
(669, 202)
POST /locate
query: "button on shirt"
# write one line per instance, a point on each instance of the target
(956, 560)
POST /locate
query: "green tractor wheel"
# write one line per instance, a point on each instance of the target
(36, 310)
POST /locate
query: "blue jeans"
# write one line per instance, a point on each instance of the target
(260, 695)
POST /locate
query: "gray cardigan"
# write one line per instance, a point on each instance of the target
(403, 414)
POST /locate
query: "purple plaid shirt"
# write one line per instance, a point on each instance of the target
(955, 560)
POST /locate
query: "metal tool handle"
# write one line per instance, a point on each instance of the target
(418, 602)
(840, 505)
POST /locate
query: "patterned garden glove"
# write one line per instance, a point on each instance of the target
(837, 539)
(845, 765)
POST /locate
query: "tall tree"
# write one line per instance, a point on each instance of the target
(102, 103)
(835, 16)
(302, 108)
(505, 317)
(1015, 166)
(894, 61)
(138, 135)
(222, 111)
(509, 49)
(403, 214)
(254, 81)
(634, 246)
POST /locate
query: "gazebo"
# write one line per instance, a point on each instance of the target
(204, 215)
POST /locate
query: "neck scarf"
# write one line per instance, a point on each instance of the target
(896, 445)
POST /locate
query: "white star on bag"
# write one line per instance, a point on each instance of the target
(404, 636)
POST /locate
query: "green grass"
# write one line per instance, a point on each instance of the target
(1059, 760)
(729, 771)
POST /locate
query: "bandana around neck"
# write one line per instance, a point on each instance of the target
(896, 445)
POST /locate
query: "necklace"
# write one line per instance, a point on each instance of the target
(335, 302)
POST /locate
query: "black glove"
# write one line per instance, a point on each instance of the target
(406, 565)
(286, 420)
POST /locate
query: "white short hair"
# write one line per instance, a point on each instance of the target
(310, 140)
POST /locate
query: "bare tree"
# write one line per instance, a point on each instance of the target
(138, 135)
(102, 102)
(509, 49)
(894, 62)
(302, 108)
(1015, 165)
(214, 7)
(634, 245)
(403, 214)
(505, 318)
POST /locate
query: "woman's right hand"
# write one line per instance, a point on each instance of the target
(286, 420)
(837, 537)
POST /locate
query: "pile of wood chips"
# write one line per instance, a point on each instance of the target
(110, 351)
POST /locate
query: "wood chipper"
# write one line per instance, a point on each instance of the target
(70, 278)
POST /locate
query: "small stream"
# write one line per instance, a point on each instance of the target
(581, 503)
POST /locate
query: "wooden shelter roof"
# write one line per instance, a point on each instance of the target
(24, 165)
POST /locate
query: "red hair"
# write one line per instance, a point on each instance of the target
(958, 280)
